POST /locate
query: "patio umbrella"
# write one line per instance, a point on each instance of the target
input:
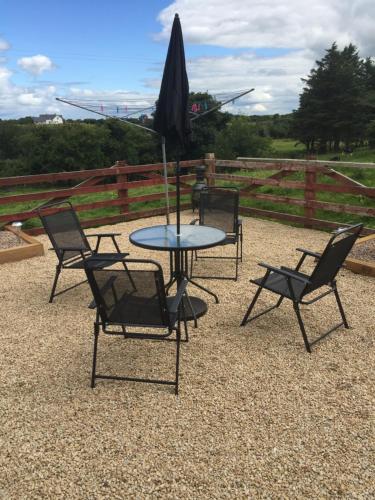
(171, 118)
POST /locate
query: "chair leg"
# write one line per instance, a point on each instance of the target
(251, 306)
(186, 339)
(302, 327)
(241, 243)
(96, 337)
(191, 264)
(341, 309)
(279, 301)
(178, 335)
(191, 309)
(57, 274)
(237, 257)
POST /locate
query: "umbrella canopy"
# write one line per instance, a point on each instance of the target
(171, 118)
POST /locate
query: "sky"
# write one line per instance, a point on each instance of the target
(115, 50)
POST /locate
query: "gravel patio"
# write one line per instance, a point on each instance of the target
(257, 417)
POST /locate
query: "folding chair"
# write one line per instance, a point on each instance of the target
(294, 285)
(71, 245)
(129, 299)
(218, 207)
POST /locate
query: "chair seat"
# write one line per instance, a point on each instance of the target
(279, 284)
(131, 311)
(229, 239)
(93, 262)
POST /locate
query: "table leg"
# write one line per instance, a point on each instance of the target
(185, 273)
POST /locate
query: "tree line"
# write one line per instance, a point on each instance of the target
(27, 148)
(336, 111)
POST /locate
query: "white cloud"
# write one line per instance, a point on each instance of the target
(274, 23)
(277, 80)
(35, 65)
(4, 45)
(244, 29)
(259, 108)
(302, 29)
(29, 99)
(17, 101)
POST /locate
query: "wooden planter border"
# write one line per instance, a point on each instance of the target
(362, 266)
(33, 248)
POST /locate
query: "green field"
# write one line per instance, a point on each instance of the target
(282, 148)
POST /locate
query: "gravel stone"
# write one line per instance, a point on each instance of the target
(257, 416)
(9, 240)
(364, 251)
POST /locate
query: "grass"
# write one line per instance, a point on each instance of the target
(287, 148)
(281, 148)
(13, 208)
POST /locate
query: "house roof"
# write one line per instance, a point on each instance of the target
(44, 118)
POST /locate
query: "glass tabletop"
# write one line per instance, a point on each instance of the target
(165, 237)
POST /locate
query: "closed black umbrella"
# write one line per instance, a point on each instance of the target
(172, 116)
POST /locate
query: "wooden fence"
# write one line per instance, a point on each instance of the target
(311, 185)
(120, 178)
(117, 178)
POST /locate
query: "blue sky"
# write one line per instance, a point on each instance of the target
(101, 43)
(52, 48)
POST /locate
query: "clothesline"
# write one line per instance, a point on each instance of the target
(132, 106)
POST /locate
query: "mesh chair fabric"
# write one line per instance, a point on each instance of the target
(219, 208)
(331, 260)
(131, 297)
(64, 230)
(279, 284)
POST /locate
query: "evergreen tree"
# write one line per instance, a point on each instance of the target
(334, 104)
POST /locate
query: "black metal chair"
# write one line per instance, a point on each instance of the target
(71, 245)
(218, 207)
(129, 299)
(294, 285)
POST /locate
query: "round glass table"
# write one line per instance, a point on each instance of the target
(191, 237)
(165, 237)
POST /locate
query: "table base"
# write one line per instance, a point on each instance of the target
(199, 307)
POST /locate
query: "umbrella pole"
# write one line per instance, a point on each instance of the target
(178, 195)
(165, 178)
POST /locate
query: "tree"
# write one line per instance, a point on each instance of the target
(333, 104)
(240, 138)
(205, 128)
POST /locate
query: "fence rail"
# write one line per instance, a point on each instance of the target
(120, 178)
(310, 186)
(92, 182)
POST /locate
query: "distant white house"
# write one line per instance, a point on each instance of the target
(49, 120)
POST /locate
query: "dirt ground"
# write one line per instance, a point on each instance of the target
(257, 416)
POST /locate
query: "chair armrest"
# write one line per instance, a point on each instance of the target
(284, 272)
(194, 221)
(177, 300)
(99, 237)
(309, 252)
(104, 235)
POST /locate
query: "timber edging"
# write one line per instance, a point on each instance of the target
(32, 248)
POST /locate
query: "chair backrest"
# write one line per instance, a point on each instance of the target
(333, 257)
(64, 230)
(218, 207)
(134, 297)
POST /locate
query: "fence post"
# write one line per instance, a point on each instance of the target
(210, 162)
(310, 194)
(122, 194)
